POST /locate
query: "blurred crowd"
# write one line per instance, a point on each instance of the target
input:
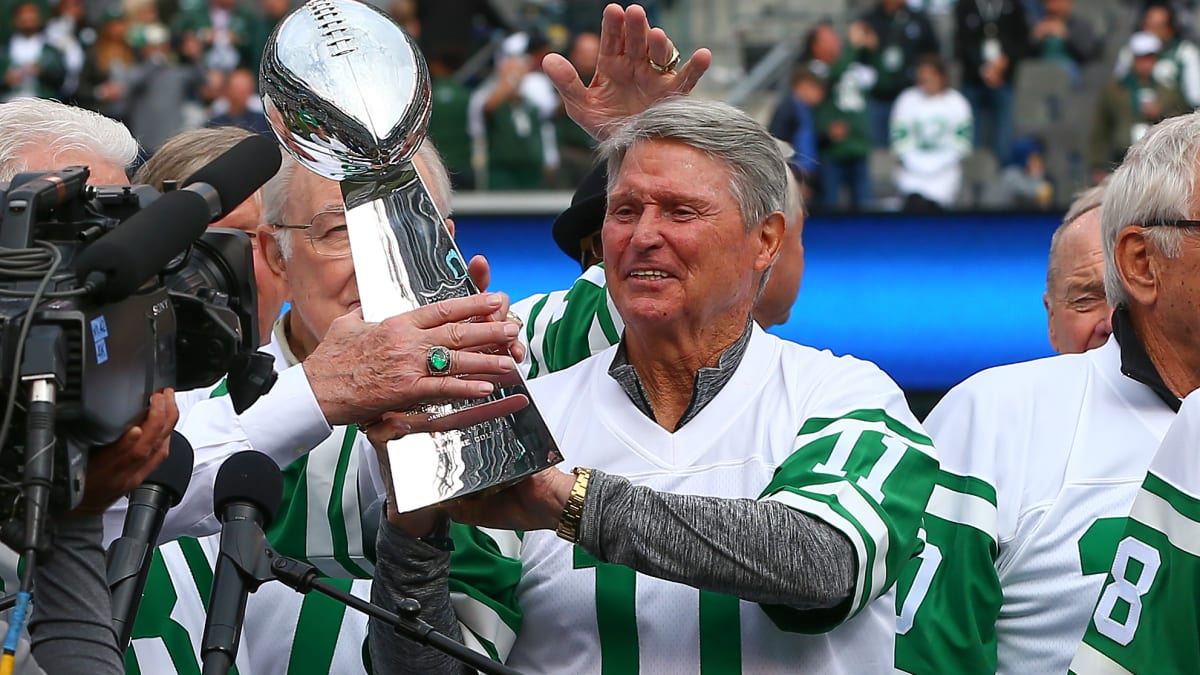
(899, 104)
(165, 66)
(889, 91)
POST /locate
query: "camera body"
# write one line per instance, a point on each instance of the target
(185, 328)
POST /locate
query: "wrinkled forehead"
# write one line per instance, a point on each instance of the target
(671, 159)
(310, 194)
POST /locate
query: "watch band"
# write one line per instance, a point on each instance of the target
(572, 513)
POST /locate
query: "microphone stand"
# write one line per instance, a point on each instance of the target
(244, 545)
(303, 577)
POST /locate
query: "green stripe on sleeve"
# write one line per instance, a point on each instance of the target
(875, 475)
(1187, 505)
(816, 424)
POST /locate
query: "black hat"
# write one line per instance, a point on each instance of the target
(585, 215)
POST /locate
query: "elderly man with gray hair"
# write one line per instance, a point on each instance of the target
(1041, 461)
(1077, 312)
(562, 328)
(740, 502)
(331, 504)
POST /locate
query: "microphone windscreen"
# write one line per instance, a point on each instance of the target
(175, 472)
(143, 245)
(240, 170)
(249, 476)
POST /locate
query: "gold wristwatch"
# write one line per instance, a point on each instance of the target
(572, 513)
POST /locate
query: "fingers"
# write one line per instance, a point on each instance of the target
(391, 427)
(464, 336)
(172, 419)
(691, 72)
(162, 418)
(456, 309)
(157, 455)
(612, 32)
(480, 273)
(518, 351)
(454, 389)
(659, 47)
(637, 31)
(474, 364)
(565, 79)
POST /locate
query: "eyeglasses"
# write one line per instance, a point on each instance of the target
(1182, 222)
(327, 233)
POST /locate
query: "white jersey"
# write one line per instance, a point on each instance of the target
(215, 432)
(931, 136)
(332, 501)
(1147, 619)
(1040, 464)
(831, 437)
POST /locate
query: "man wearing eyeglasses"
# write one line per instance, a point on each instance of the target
(1041, 461)
(331, 505)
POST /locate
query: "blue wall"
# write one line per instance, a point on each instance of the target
(931, 299)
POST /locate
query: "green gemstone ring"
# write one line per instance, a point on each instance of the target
(438, 361)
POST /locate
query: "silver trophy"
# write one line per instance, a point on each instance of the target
(347, 92)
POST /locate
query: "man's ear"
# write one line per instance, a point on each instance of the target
(271, 253)
(1136, 266)
(770, 240)
(450, 226)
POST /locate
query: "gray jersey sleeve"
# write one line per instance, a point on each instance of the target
(756, 550)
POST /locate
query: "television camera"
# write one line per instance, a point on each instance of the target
(107, 295)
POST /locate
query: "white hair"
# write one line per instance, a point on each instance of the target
(44, 126)
(276, 191)
(1155, 184)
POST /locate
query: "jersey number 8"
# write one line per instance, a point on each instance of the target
(1123, 592)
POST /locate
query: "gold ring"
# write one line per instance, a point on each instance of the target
(669, 67)
(512, 316)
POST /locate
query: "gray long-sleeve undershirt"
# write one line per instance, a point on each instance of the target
(71, 625)
(758, 551)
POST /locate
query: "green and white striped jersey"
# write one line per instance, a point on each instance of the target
(311, 634)
(831, 437)
(1040, 462)
(1147, 619)
(565, 327)
(329, 517)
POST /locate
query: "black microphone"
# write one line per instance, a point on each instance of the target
(129, 556)
(231, 178)
(246, 495)
(118, 263)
